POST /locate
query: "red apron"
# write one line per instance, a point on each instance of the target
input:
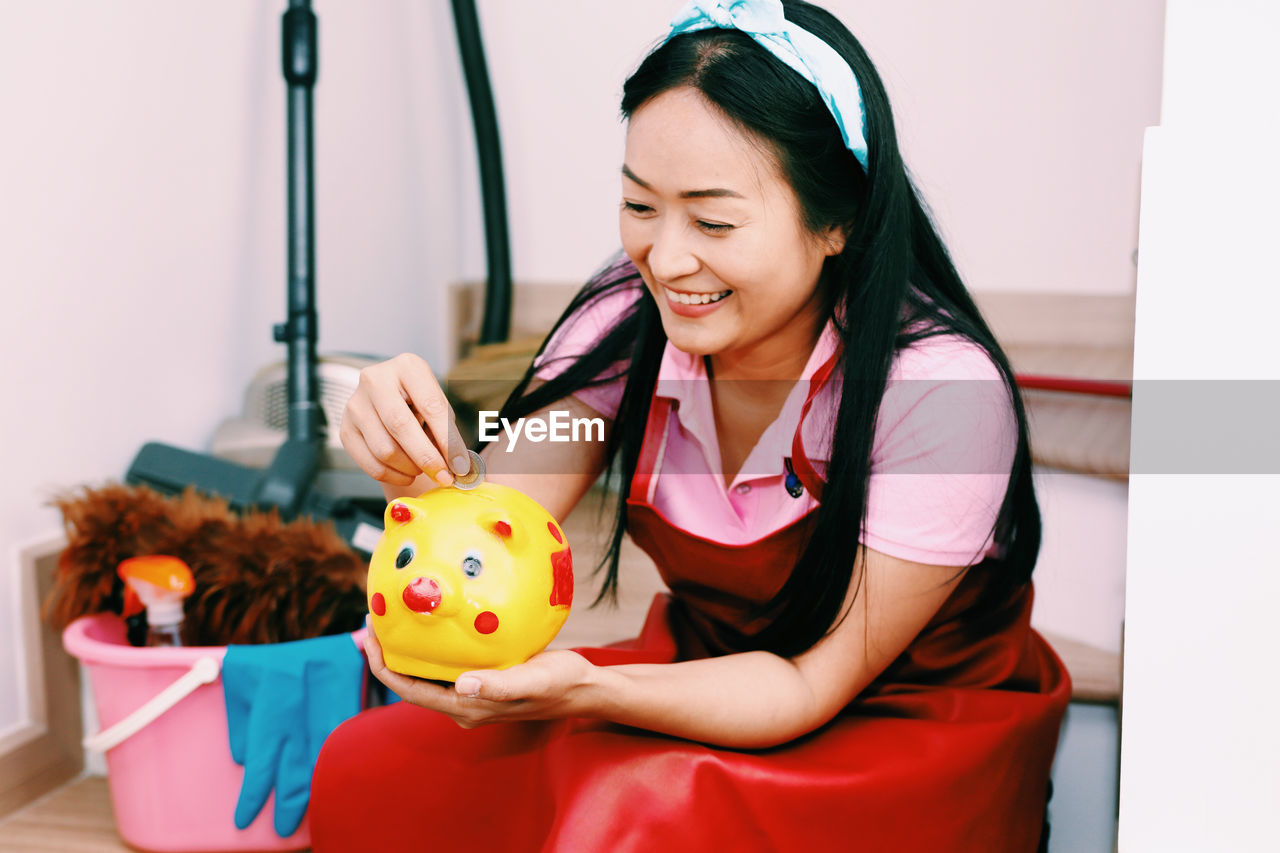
(949, 750)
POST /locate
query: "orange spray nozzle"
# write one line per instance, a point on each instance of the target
(161, 582)
(161, 571)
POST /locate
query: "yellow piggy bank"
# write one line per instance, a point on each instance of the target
(462, 580)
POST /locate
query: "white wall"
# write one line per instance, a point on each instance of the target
(141, 188)
(1200, 747)
(1080, 576)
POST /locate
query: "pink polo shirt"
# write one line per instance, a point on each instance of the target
(941, 458)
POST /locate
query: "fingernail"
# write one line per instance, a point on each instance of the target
(461, 464)
(444, 478)
(468, 685)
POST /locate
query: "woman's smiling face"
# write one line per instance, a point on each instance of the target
(716, 232)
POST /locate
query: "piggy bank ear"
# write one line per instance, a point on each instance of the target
(398, 512)
(499, 524)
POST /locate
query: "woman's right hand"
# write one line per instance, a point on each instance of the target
(398, 425)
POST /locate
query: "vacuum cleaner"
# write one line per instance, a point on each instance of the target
(291, 482)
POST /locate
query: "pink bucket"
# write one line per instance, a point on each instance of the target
(163, 726)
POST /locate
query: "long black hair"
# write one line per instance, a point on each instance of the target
(893, 285)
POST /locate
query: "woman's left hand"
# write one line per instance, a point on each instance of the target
(550, 685)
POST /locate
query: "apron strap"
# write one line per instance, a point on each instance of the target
(652, 449)
(799, 459)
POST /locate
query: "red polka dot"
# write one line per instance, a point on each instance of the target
(378, 604)
(487, 622)
(400, 513)
(561, 578)
(502, 529)
(551, 525)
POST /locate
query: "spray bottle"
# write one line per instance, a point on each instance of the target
(161, 583)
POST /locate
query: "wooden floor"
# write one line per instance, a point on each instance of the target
(76, 818)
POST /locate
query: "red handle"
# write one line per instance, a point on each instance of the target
(1095, 387)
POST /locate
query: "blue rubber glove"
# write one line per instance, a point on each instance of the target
(283, 700)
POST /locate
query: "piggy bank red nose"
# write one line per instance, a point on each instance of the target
(422, 595)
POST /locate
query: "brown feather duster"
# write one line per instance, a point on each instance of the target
(258, 579)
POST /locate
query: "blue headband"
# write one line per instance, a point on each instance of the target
(802, 51)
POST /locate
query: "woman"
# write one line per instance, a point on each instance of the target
(824, 453)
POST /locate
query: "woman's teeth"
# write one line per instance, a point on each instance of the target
(695, 298)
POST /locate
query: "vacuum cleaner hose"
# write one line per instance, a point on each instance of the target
(496, 321)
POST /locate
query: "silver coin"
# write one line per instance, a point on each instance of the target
(473, 477)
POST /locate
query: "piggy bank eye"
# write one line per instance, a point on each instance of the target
(405, 557)
(471, 565)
